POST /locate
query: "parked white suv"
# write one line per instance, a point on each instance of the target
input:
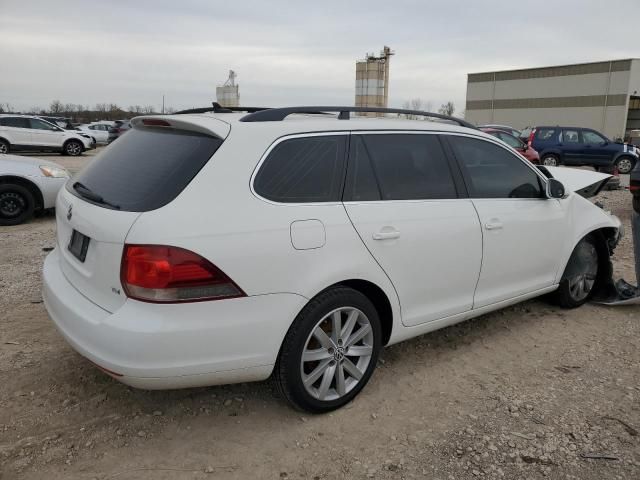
(214, 248)
(30, 133)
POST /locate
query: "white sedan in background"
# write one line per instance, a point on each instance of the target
(99, 131)
(27, 185)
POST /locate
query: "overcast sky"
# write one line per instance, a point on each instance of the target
(289, 52)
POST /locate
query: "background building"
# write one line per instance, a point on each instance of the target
(602, 95)
(372, 81)
(228, 94)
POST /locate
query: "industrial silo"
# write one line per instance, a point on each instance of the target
(228, 94)
(372, 81)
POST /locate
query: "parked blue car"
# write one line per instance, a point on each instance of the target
(580, 146)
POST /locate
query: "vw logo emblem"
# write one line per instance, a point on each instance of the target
(70, 212)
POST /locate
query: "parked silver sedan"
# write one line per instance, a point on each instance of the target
(27, 185)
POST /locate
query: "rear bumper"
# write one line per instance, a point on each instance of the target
(172, 346)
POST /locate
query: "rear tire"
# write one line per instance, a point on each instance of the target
(330, 351)
(580, 275)
(16, 204)
(550, 160)
(625, 164)
(4, 146)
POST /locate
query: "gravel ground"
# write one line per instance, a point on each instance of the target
(531, 391)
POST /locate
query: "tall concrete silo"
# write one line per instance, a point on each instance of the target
(228, 94)
(372, 81)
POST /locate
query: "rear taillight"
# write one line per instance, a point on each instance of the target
(531, 135)
(163, 274)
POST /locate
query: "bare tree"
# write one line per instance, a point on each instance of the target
(147, 109)
(447, 109)
(6, 107)
(56, 107)
(417, 104)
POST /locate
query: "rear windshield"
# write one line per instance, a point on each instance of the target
(144, 169)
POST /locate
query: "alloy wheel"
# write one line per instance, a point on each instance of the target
(625, 165)
(74, 148)
(4, 148)
(550, 161)
(337, 353)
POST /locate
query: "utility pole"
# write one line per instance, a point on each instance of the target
(163, 104)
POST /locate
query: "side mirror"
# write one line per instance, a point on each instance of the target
(555, 189)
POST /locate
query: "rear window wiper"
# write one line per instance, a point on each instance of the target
(89, 194)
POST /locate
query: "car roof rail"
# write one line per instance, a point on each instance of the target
(217, 108)
(279, 114)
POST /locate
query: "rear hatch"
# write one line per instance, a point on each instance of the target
(143, 171)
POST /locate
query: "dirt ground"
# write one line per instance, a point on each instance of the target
(531, 391)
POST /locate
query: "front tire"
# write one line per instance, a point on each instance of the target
(16, 204)
(330, 351)
(580, 275)
(4, 146)
(549, 160)
(73, 148)
(625, 164)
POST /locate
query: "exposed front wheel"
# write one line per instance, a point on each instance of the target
(550, 161)
(330, 351)
(579, 276)
(625, 164)
(4, 146)
(16, 204)
(73, 148)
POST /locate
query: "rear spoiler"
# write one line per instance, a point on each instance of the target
(210, 126)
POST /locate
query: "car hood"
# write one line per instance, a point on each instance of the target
(22, 161)
(584, 182)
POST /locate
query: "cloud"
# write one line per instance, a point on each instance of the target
(286, 52)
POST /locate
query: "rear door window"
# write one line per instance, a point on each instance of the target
(492, 171)
(16, 122)
(147, 168)
(304, 170)
(398, 167)
(570, 136)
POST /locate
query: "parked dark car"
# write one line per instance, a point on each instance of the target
(581, 146)
(518, 145)
(120, 127)
(505, 128)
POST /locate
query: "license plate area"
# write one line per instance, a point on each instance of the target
(78, 245)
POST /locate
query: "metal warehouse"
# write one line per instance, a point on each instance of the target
(604, 96)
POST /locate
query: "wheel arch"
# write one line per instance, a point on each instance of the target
(375, 294)
(28, 184)
(605, 240)
(550, 151)
(64, 145)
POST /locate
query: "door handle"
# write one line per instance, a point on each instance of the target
(493, 226)
(386, 235)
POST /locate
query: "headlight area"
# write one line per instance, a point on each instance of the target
(53, 172)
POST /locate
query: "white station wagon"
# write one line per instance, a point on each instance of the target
(214, 247)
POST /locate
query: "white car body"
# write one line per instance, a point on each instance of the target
(38, 135)
(98, 130)
(29, 169)
(436, 262)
